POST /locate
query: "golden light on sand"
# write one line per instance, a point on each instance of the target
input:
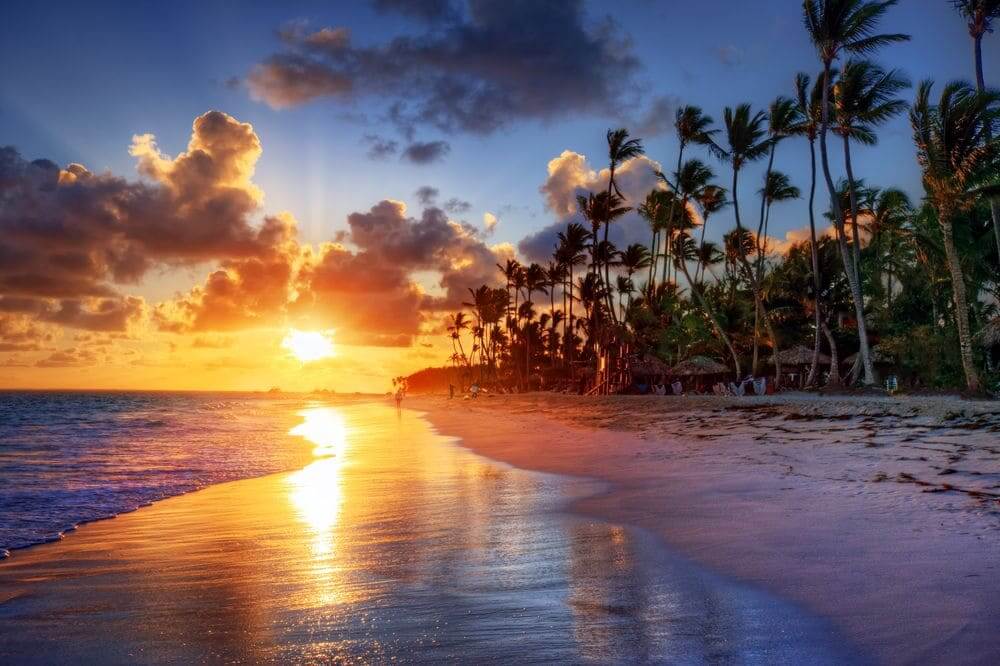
(308, 346)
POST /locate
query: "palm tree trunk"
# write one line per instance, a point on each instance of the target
(814, 252)
(653, 246)
(852, 190)
(834, 379)
(961, 306)
(838, 220)
(751, 277)
(980, 86)
(568, 337)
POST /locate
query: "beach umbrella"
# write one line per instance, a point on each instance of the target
(698, 365)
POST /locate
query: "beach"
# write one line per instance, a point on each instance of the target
(393, 543)
(880, 514)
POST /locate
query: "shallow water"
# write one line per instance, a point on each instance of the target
(393, 543)
(72, 457)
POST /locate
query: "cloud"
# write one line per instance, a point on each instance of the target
(68, 358)
(490, 222)
(380, 148)
(456, 206)
(658, 118)
(570, 175)
(426, 152)
(70, 238)
(427, 195)
(431, 11)
(475, 71)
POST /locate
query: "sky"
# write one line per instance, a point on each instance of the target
(352, 168)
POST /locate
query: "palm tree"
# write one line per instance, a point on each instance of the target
(746, 141)
(836, 27)
(863, 97)
(711, 200)
(571, 252)
(690, 182)
(980, 15)
(459, 322)
(956, 151)
(783, 119)
(890, 213)
(634, 258)
(778, 187)
(620, 149)
(510, 269)
(810, 115)
(653, 210)
(685, 250)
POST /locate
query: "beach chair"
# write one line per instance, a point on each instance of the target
(677, 388)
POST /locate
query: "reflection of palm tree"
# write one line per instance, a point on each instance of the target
(980, 15)
(956, 151)
(836, 27)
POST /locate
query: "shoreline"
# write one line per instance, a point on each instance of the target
(254, 579)
(830, 502)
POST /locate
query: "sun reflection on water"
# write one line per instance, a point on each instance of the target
(317, 489)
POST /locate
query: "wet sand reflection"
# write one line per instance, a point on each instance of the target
(392, 543)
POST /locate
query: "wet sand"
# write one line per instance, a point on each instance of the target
(880, 514)
(394, 544)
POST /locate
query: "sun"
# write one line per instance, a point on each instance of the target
(308, 346)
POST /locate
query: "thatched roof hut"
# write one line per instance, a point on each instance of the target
(698, 365)
(878, 356)
(799, 355)
(648, 366)
(989, 337)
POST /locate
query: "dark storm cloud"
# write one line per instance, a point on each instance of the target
(474, 71)
(426, 152)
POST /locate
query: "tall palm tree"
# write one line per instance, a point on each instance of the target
(889, 215)
(691, 126)
(863, 97)
(459, 322)
(777, 188)
(571, 251)
(836, 27)
(956, 151)
(653, 210)
(810, 115)
(534, 280)
(510, 270)
(711, 200)
(690, 182)
(980, 15)
(620, 149)
(746, 141)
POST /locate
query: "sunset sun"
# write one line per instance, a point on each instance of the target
(308, 346)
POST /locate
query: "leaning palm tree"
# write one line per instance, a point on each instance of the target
(836, 27)
(620, 149)
(980, 15)
(746, 141)
(956, 151)
(863, 97)
(685, 250)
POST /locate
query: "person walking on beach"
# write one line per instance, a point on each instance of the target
(399, 397)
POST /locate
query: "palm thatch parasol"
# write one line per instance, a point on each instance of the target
(799, 355)
(648, 366)
(990, 335)
(878, 356)
(698, 365)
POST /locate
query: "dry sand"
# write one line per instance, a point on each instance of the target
(881, 514)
